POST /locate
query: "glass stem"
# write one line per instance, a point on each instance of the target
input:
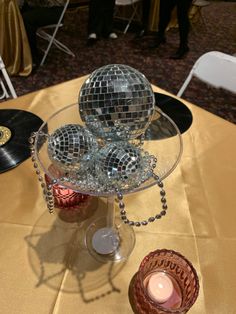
(110, 212)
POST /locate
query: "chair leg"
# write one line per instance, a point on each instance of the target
(129, 22)
(9, 83)
(49, 45)
(52, 37)
(202, 19)
(4, 91)
(55, 42)
(185, 84)
(63, 47)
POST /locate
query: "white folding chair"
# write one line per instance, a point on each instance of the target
(197, 6)
(214, 68)
(134, 11)
(42, 32)
(9, 89)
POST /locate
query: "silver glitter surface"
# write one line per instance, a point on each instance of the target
(69, 145)
(116, 102)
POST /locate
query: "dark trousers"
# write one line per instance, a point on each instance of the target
(101, 17)
(166, 8)
(146, 6)
(35, 17)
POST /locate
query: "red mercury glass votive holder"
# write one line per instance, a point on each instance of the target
(180, 274)
(72, 206)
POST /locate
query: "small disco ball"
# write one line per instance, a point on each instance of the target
(119, 165)
(116, 102)
(69, 145)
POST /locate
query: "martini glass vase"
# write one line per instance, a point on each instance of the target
(84, 165)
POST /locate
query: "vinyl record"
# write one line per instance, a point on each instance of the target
(176, 110)
(16, 127)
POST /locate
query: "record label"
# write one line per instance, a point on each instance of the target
(5, 135)
(16, 127)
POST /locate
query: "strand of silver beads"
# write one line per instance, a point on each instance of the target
(47, 188)
(150, 219)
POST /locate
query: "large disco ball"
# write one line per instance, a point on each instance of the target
(69, 145)
(116, 102)
(121, 165)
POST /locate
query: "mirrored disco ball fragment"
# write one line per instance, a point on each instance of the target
(121, 165)
(116, 102)
(70, 145)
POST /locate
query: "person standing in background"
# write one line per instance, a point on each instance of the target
(100, 22)
(166, 8)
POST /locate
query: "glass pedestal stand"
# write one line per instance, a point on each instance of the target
(108, 238)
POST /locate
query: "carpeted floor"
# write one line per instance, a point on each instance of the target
(154, 64)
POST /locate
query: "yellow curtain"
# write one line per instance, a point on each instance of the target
(154, 15)
(14, 46)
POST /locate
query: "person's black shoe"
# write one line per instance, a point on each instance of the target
(157, 42)
(180, 53)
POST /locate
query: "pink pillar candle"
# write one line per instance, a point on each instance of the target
(160, 287)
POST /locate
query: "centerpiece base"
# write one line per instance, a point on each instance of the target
(106, 243)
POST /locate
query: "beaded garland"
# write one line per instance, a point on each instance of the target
(47, 189)
(150, 219)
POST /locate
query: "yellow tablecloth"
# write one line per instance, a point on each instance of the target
(44, 265)
(14, 46)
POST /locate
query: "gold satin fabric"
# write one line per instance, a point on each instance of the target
(154, 15)
(45, 267)
(14, 46)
